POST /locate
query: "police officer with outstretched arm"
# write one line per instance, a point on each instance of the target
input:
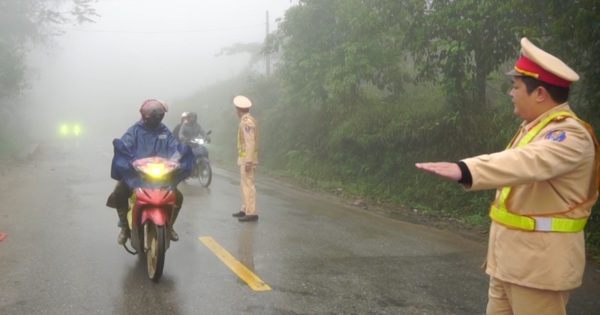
(546, 183)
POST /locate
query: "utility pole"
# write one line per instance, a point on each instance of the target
(267, 59)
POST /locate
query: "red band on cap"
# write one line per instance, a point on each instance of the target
(529, 68)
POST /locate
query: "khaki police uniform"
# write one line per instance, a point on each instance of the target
(536, 250)
(247, 153)
(549, 177)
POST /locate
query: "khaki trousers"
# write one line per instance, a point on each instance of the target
(510, 299)
(248, 191)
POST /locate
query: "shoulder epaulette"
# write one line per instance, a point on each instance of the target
(560, 118)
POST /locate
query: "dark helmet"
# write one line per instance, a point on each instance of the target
(153, 107)
(192, 116)
(153, 111)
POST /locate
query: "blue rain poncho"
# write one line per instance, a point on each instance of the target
(140, 142)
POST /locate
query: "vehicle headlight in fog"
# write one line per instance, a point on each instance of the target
(69, 129)
(64, 130)
(76, 129)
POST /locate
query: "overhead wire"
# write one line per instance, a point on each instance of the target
(163, 32)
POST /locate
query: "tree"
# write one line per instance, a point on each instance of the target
(12, 71)
(253, 49)
(459, 43)
(333, 48)
(27, 23)
(572, 32)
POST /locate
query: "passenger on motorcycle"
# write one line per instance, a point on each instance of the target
(178, 127)
(190, 129)
(146, 138)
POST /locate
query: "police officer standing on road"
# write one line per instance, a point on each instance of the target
(547, 183)
(247, 158)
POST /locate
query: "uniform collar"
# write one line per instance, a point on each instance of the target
(562, 107)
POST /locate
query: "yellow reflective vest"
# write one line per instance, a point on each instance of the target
(499, 213)
(247, 142)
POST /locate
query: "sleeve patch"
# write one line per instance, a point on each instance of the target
(247, 128)
(556, 135)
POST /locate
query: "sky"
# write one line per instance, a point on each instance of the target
(139, 49)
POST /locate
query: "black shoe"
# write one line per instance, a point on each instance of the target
(239, 214)
(252, 217)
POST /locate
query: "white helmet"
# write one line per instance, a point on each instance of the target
(241, 101)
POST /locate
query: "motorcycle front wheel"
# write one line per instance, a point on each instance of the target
(204, 173)
(156, 248)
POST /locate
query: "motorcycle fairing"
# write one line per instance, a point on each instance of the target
(153, 204)
(199, 151)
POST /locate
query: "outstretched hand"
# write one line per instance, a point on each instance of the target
(447, 170)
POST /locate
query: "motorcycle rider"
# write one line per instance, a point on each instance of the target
(147, 137)
(190, 129)
(178, 127)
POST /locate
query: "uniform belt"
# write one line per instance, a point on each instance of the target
(536, 223)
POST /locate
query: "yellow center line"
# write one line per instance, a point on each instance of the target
(235, 265)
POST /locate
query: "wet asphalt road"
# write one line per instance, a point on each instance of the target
(60, 254)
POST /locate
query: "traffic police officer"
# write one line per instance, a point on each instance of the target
(546, 181)
(247, 158)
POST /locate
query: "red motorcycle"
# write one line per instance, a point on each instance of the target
(150, 212)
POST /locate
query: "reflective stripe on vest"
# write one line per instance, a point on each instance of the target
(501, 214)
(242, 153)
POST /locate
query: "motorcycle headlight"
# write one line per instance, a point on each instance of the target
(76, 130)
(68, 129)
(63, 129)
(155, 170)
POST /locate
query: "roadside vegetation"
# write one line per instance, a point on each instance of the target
(361, 90)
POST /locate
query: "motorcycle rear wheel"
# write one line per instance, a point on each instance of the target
(204, 173)
(155, 255)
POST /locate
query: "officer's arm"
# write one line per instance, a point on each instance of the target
(539, 160)
(249, 131)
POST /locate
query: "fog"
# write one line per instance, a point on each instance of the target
(99, 73)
